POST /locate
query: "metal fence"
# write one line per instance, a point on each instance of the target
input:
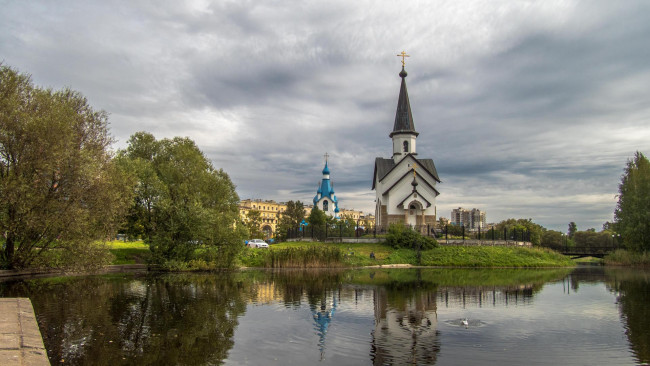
(447, 232)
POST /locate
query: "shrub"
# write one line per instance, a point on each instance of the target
(400, 236)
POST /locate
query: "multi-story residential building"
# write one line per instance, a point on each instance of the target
(270, 212)
(472, 219)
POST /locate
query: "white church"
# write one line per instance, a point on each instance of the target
(405, 185)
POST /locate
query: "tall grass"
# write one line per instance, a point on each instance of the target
(621, 257)
(306, 257)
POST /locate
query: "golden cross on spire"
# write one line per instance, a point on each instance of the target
(403, 55)
(415, 166)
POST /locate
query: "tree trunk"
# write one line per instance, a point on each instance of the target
(9, 250)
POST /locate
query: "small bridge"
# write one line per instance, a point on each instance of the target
(581, 252)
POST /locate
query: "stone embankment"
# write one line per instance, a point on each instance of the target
(20, 339)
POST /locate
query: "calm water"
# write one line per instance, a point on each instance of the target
(586, 316)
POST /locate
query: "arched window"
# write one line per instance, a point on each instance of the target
(325, 204)
(406, 146)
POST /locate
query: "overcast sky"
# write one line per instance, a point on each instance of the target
(529, 109)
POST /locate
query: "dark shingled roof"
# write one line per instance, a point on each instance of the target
(403, 116)
(384, 166)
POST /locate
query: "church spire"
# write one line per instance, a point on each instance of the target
(403, 118)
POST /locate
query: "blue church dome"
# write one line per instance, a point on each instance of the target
(326, 170)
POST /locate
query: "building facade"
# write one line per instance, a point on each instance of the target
(473, 219)
(405, 185)
(270, 212)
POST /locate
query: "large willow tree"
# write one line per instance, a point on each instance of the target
(632, 213)
(59, 189)
(183, 205)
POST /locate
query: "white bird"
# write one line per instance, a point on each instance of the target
(465, 322)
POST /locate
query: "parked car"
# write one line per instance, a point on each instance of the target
(257, 243)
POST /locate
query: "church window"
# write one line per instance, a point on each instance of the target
(406, 146)
(325, 204)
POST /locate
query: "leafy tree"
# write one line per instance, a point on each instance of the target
(552, 239)
(290, 218)
(346, 225)
(519, 226)
(317, 217)
(59, 187)
(454, 230)
(253, 223)
(592, 239)
(572, 229)
(182, 202)
(632, 215)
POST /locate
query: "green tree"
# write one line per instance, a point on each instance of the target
(317, 220)
(253, 223)
(573, 228)
(182, 202)
(518, 227)
(632, 215)
(552, 239)
(290, 219)
(317, 217)
(59, 187)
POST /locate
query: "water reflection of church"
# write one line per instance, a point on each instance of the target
(405, 327)
(404, 314)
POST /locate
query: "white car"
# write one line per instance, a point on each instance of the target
(257, 243)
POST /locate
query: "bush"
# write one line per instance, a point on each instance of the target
(400, 236)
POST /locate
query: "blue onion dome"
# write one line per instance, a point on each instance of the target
(326, 170)
(336, 210)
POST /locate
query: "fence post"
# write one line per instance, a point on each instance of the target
(479, 232)
(463, 233)
(446, 231)
(505, 234)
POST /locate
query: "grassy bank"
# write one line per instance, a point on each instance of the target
(318, 255)
(351, 255)
(626, 258)
(130, 252)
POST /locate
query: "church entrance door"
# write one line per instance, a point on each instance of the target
(414, 210)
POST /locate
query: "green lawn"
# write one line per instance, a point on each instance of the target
(448, 256)
(129, 252)
(358, 255)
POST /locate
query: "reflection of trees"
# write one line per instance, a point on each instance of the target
(150, 321)
(633, 288)
(405, 324)
(486, 296)
(293, 284)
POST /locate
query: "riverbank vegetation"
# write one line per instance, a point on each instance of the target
(627, 258)
(358, 255)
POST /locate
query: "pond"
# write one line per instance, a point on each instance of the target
(587, 315)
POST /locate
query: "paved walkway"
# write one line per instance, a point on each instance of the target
(21, 343)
